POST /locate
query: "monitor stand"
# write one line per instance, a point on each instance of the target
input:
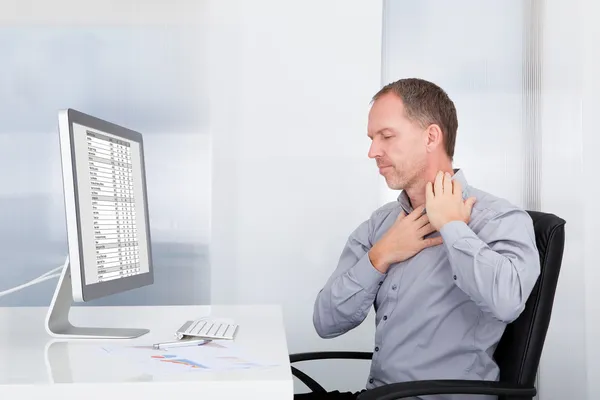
(57, 319)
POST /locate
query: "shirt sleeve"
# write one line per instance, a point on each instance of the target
(346, 299)
(497, 267)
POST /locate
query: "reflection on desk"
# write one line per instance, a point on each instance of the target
(34, 364)
(69, 362)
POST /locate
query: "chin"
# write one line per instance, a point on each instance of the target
(395, 184)
(398, 181)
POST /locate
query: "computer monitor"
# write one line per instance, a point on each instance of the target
(108, 229)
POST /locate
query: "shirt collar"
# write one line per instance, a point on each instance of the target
(459, 175)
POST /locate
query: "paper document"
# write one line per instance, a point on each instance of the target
(217, 355)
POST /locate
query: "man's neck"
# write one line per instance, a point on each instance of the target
(416, 192)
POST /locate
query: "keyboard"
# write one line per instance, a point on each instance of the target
(207, 328)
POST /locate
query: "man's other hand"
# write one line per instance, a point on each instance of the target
(403, 240)
(444, 201)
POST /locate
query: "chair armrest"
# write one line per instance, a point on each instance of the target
(323, 355)
(422, 388)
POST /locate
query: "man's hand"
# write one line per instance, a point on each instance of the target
(403, 240)
(444, 202)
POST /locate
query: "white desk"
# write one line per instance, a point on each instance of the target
(34, 365)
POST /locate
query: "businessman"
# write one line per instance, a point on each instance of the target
(446, 267)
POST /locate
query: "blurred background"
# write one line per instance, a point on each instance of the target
(254, 121)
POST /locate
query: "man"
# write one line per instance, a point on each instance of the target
(446, 266)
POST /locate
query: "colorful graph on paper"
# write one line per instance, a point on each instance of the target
(212, 356)
(172, 358)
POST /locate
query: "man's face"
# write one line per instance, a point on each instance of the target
(398, 145)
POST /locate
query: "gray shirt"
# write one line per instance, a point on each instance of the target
(441, 313)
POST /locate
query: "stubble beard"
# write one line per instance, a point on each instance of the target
(402, 181)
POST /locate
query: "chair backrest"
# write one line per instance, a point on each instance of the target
(520, 348)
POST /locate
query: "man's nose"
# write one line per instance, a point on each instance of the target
(374, 150)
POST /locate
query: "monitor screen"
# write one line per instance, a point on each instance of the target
(111, 204)
(106, 206)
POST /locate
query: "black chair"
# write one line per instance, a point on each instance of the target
(520, 348)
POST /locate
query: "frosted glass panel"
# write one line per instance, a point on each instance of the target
(148, 78)
(475, 50)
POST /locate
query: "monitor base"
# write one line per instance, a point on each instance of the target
(57, 318)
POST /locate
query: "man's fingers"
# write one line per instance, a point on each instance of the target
(447, 183)
(469, 204)
(426, 229)
(422, 220)
(457, 188)
(417, 212)
(429, 192)
(438, 187)
(434, 241)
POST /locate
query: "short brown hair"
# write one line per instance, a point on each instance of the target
(426, 103)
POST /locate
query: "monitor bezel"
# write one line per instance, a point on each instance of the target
(81, 290)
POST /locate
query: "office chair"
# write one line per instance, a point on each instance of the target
(518, 352)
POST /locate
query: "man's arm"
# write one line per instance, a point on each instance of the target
(349, 293)
(347, 297)
(498, 267)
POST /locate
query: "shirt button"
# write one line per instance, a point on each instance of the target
(371, 380)
(376, 348)
(380, 283)
(384, 317)
(394, 287)
(454, 277)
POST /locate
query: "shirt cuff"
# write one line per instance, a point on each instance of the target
(367, 276)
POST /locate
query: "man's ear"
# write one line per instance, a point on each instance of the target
(433, 137)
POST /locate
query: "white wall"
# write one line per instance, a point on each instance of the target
(563, 366)
(291, 86)
(589, 191)
(573, 61)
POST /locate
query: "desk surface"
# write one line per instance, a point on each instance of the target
(34, 364)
